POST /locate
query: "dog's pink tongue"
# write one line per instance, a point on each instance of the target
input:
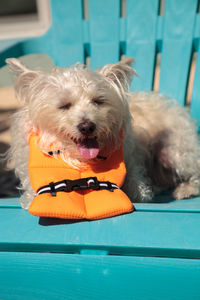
(88, 148)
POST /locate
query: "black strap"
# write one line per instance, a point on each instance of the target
(52, 189)
(89, 183)
(51, 153)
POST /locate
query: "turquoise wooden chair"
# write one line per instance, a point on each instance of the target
(154, 252)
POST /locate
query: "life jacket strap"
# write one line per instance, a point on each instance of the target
(66, 185)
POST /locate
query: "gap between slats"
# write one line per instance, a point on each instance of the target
(198, 7)
(156, 78)
(85, 9)
(86, 45)
(161, 8)
(190, 81)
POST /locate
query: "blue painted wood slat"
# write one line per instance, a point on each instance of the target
(179, 21)
(145, 233)
(53, 276)
(141, 40)
(104, 30)
(165, 203)
(64, 40)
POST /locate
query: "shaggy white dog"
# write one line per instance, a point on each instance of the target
(86, 114)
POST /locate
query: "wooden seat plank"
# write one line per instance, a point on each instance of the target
(63, 276)
(168, 234)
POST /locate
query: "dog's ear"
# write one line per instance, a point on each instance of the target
(120, 73)
(23, 74)
(16, 66)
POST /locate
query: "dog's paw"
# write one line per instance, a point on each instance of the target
(144, 193)
(185, 190)
(26, 198)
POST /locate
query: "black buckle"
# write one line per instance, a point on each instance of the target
(52, 187)
(73, 185)
(81, 184)
(94, 184)
(110, 188)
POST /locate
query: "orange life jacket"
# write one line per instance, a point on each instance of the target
(78, 204)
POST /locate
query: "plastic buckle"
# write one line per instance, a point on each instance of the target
(52, 187)
(74, 185)
(110, 188)
(93, 183)
(80, 184)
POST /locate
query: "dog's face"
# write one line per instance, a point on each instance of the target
(80, 111)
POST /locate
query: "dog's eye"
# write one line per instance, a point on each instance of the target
(98, 101)
(65, 106)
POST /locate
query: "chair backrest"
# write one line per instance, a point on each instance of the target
(105, 30)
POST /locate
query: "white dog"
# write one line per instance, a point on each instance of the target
(87, 113)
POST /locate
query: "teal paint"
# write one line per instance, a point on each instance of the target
(64, 40)
(150, 232)
(179, 22)
(141, 40)
(52, 276)
(104, 28)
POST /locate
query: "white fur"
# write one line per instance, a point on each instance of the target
(160, 142)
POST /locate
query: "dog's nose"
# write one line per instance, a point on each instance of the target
(86, 127)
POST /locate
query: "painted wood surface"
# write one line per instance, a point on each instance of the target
(179, 21)
(163, 203)
(141, 40)
(53, 276)
(104, 32)
(64, 40)
(147, 233)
